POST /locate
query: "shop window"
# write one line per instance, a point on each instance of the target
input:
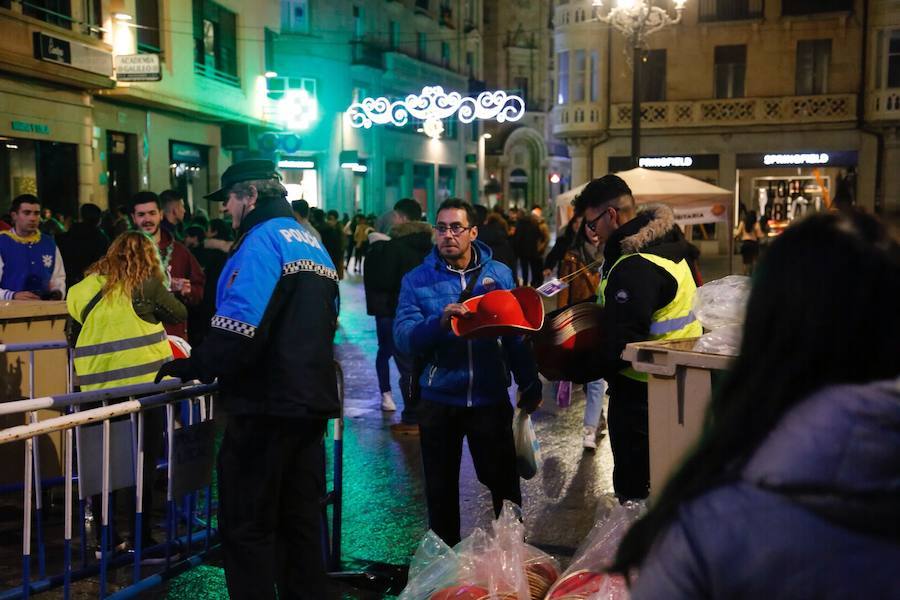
(730, 71)
(55, 12)
(147, 21)
(578, 76)
(806, 7)
(421, 45)
(653, 76)
(215, 40)
(295, 16)
(730, 10)
(563, 86)
(595, 76)
(893, 61)
(813, 58)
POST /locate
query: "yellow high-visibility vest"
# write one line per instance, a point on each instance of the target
(116, 347)
(674, 321)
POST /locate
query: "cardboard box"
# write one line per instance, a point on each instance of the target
(679, 389)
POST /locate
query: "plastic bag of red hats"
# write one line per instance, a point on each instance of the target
(495, 565)
(586, 578)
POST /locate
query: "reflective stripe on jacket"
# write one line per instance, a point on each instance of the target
(674, 321)
(116, 347)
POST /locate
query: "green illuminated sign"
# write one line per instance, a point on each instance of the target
(30, 127)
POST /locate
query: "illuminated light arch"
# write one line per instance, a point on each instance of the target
(432, 106)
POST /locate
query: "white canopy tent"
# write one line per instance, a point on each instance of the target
(693, 201)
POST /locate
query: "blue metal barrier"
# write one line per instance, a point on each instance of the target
(197, 406)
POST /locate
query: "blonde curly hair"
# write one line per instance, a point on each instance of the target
(132, 258)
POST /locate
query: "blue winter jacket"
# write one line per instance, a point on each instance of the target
(816, 513)
(458, 371)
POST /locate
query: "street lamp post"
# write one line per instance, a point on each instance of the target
(636, 20)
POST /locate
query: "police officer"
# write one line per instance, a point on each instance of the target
(271, 348)
(647, 290)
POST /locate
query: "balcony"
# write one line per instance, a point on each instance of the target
(730, 10)
(367, 53)
(883, 105)
(580, 119)
(830, 108)
(213, 73)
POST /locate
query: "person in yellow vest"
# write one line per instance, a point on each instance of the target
(647, 289)
(122, 304)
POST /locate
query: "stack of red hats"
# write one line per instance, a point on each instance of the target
(501, 312)
(566, 349)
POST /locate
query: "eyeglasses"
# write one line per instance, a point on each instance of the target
(455, 229)
(592, 224)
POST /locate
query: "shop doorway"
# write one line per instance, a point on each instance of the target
(189, 174)
(446, 183)
(518, 189)
(423, 184)
(300, 179)
(121, 167)
(48, 170)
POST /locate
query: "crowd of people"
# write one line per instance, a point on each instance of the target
(796, 468)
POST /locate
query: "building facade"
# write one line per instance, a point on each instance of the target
(88, 116)
(766, 98)
(344, 51)
(525, 165)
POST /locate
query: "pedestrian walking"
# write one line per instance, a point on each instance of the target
(647, 290)
(122, 302)
(271, 348)
(749, 233)
(31, 267)
(172, 203)
(530, 241)
(301, 213)
(464, 382)
(578, 267)
(791, 491)
(184, 275)
(493, 231)
(360, 242)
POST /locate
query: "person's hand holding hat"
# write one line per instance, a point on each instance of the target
(531, 397)
(454, 310)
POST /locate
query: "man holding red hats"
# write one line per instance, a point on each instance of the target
(465, 381)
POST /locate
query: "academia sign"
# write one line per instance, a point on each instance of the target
(138, 67)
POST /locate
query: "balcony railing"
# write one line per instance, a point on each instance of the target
(884, 105)
(577, 119)
(739, 111)
(217, 75)
(367, 53)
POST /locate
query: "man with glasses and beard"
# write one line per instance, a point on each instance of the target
(464, 384)
(647, 290)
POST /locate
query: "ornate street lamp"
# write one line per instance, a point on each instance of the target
(637, 19)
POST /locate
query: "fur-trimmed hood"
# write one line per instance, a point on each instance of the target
(653, 230)
(410, 228)
(657, 220)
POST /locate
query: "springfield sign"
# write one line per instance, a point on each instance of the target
(138, 67)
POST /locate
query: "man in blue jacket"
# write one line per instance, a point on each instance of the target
(465, 382)
(271, 348)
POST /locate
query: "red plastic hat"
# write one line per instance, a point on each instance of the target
(180, 347)
(501, 312)
(462, 592)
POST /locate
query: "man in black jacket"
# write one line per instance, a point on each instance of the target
(410, 241)
(271, 348)
(647, 290)
(83, 245)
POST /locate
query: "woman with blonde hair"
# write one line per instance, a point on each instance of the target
(121, 304)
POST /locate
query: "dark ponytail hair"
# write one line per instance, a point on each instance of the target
(822, 311)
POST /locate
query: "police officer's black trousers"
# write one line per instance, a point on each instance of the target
(627, 422)
(488, 430)
(271, 478)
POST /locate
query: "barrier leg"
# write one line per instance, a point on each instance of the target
(67, 534)
(26, 519)
(139, 498)
(105, 503)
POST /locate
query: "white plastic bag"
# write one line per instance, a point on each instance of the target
(528, 449)
(724, 340)
(722, 302)
(434, 566)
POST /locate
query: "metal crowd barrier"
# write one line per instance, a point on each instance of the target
(116, 429)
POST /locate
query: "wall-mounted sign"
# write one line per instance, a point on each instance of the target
(432, 106)
(72, 54)
(26, 127)
(797, 159)
(138, 67)
(297, 109)
(186, 153)
(689, 162)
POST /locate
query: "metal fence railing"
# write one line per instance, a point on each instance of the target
(104, 452)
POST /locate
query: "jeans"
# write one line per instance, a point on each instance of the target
(593, 402)
(384, 327)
